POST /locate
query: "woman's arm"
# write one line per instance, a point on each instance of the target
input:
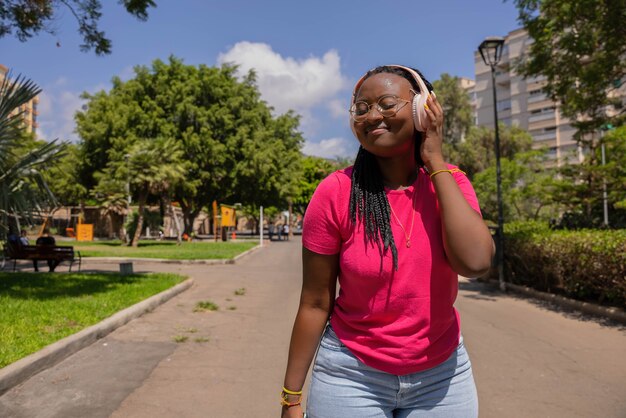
(319, 281)
(466, 238)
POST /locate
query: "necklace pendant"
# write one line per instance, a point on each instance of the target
(408, 244)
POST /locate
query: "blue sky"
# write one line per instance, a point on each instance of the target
(307, 54)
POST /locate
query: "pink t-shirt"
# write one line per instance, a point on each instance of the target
(400, 321)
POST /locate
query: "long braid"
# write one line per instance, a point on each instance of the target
(368, 201)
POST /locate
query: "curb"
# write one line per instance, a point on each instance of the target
(214, 261)
(616, 314)
(18, 372)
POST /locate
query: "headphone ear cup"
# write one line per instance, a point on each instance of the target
(420, 118)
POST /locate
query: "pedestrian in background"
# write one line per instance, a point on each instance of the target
(24, 237)
(394, 231)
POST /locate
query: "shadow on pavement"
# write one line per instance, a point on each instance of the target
(480, 290)
(489, 291)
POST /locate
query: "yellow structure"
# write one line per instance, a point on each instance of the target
(29, 110)
(84, 232)
(229, 217)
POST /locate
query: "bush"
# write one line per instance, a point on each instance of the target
(587, 264)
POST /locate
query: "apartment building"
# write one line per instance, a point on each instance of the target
(521, 102)
(29, 110)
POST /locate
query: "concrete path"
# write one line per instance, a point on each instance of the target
(529, 359)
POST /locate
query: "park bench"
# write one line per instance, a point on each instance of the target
(42, 252)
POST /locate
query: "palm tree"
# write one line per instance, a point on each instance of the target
(23, 191)
(112, 198)
(156, 166)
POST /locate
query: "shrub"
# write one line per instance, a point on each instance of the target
(585, 264)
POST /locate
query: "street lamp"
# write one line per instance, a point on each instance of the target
(491, 51)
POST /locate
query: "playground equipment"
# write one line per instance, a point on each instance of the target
(80, 231)
(226, 219)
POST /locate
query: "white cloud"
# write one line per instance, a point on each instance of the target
(330, 148)
(56, 113)
(288, 83)
(338, 108)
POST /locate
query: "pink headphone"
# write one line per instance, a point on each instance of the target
(420, 118)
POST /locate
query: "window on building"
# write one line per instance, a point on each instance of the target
(551, 152)
(504, 104)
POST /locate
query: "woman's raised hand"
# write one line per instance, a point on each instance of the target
(431, 147)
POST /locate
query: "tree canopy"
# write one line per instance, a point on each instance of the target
(27, 18)
(477, 152)
(580, 47)
(456, 107)
(23, 189)
(234, 149)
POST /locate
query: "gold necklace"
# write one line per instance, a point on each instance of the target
(407, 236)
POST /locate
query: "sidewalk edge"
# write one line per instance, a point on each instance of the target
(616, 314)
(208, 261)
(21, 370)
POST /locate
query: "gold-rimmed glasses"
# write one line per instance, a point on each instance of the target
(387, 105)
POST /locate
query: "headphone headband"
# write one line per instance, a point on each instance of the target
(419, 114)
(411, 71)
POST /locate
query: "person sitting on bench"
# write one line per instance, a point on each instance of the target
(24, 238)
(46, 240)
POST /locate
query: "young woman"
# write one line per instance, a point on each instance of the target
(395, 230)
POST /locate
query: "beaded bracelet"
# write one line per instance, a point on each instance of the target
(288, 404)
(453, 170)
(286, 392)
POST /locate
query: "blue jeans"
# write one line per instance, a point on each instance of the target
(343, 387)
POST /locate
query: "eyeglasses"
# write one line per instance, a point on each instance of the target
(387, 106)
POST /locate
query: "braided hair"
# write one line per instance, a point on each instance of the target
(368, 201)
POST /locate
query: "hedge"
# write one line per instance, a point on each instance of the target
(588, 265)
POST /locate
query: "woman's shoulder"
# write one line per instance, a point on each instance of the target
(336, 181)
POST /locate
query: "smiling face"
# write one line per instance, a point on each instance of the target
(386, 136)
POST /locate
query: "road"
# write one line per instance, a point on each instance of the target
(530, 359)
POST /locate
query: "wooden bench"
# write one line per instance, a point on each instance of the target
(42, 252)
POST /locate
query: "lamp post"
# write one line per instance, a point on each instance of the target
(491, 51)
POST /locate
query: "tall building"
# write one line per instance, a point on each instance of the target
(29, 109)
(521, 102)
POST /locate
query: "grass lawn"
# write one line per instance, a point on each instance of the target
(37, 309)
(164, 249)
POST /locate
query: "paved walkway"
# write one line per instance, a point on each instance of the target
(529, 359)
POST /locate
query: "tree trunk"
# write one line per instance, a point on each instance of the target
(142, 203)
(189, 217)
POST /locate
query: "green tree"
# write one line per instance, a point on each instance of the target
(235, 149)
(23, 189)
(314, 170)
(615, 169)
(580, 47)
(527, 188)
(456, 107)
(27, 18)
(112, 197)
(477, 152)
(155, 166)
(580, 186)
(63, 178)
